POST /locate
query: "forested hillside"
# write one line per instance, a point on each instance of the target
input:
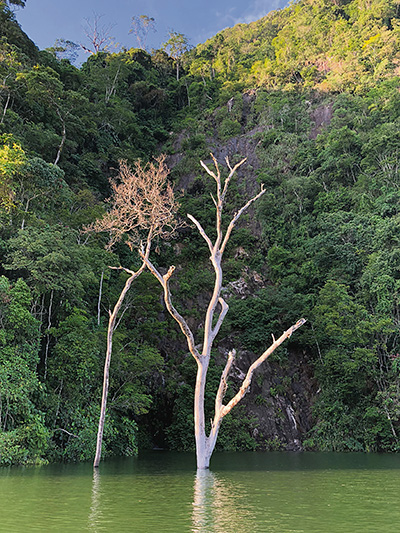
(311, 96)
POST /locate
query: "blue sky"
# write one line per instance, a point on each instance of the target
(47, 20)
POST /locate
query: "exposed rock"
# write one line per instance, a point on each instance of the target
(249, 282)
(321, 116)
(279, 399)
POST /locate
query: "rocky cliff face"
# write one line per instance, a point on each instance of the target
(280, 400)
(282, 391)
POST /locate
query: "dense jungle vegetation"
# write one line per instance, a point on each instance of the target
(311, 96)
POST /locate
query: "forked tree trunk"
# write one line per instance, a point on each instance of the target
(222, 410)
(205, 444)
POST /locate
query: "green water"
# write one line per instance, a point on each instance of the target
(242, 493)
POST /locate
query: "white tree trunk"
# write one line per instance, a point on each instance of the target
(106, 375)
(205, 444)
(63, 138)
(203, 457)
(5, 108)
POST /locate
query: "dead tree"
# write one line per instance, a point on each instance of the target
(98, 35)
(142, 208)
(205, 443)
(141, 26)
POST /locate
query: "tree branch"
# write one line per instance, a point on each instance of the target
(210, 172)
(223, 381)
(127, 270)
(164, 281)
(231, 173)
(237, 216)
(67, 432)
(216, 167)
(247, 380)
(202, 232)
(224, 310)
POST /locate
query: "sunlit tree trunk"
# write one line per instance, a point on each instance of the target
(199, 419)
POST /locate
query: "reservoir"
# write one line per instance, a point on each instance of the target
(158, 492)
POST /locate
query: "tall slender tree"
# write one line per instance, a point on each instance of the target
(143, 207)
(176, 46)
(98, 35)
(141, 26)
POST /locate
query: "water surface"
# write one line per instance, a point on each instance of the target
(243, 492)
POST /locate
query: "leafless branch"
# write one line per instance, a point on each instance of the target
(67, 432)
(237, 215)
(98, 35)
(247, 380)
(224, 310)
(164, 281)
(223, 381)
(202, 232)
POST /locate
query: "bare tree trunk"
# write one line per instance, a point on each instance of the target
(205, 444)
(199, 420)
(26, 209)
(99, 300)
(110, 331)
(25, 212)
(63, 137)
(5, 108)
(46, 354)
(106, 376)
(110, 91)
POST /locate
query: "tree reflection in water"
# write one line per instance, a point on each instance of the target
(202, 515)
(219, 505)
(95, 514)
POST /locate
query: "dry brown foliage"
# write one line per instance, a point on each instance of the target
(142, 200)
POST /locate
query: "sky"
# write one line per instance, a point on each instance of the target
(44, 21)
